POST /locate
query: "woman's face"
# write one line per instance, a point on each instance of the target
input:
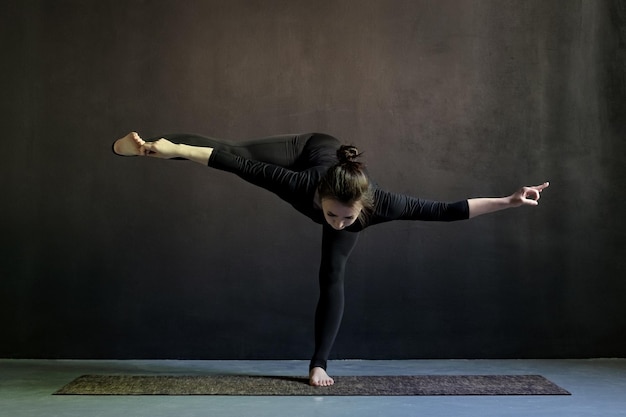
(339, 215)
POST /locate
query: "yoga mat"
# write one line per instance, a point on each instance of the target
(247, 385)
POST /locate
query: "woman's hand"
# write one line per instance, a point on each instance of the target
(528, 195)
(161, 148)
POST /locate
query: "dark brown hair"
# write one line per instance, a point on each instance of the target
(347, 181)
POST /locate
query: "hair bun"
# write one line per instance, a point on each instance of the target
(347, 153)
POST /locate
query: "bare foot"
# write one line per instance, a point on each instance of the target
(129, 145)
(319, 378)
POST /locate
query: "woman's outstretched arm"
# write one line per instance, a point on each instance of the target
(528, 196)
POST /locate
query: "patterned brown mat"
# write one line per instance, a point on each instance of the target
(294, 386)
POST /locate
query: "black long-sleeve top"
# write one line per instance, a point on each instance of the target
(299, 188)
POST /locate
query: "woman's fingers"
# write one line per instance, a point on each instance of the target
(532, 194)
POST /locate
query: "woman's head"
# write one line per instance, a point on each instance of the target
(345, 190)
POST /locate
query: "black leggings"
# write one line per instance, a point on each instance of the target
(336, 248)
(300, 152)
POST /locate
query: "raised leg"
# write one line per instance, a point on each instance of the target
(282, 150)
(296, 152)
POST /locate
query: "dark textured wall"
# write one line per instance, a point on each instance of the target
(107, 257)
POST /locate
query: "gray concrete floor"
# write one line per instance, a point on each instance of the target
(598, 388)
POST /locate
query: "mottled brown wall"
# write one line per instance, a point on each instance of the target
(107, 257)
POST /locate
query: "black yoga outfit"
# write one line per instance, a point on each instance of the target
(291, 166)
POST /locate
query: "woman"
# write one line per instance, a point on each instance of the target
(323, 180)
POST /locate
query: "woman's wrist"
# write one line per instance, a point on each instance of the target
(182, 151)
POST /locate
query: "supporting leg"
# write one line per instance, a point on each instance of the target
(336, 248)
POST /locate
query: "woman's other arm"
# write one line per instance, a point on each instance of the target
(165, 149)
